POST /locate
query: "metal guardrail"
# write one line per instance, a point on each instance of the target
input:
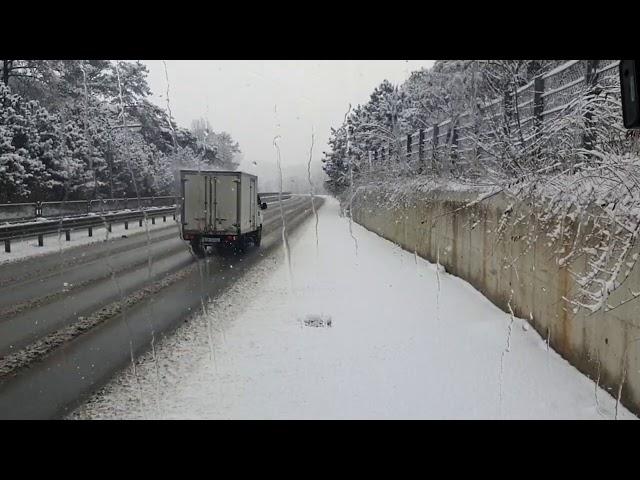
(274, 195)
(19, 212)
(16, 212)
(40, 226)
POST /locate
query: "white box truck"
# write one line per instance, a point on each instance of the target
(220, 207)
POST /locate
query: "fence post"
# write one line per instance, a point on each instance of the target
(591, 79)
(434, 150)
(538, 108)
(421, 146)
(477, 118)
(538, 103)
(453, 151)
(508, 112)
(408, 153)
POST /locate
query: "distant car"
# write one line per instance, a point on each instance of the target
(220, 207)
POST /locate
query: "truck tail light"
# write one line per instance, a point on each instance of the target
(230, 238)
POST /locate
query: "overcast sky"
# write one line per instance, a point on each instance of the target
(257, 100)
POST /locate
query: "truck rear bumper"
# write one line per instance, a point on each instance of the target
(210, 238)
(190, 235)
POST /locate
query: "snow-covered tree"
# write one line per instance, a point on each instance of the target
(25, 144)
(79, 129)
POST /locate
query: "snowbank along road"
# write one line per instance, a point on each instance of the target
(69, 320)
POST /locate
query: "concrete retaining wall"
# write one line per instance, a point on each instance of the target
(516, 272)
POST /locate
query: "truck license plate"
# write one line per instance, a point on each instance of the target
(210, 240)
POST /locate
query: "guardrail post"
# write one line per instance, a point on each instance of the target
(109, 227)
(7, 245)
(67, 235)
(140, 222)
(164, 219)
(174, 215)
(153, 220)
(91, 231)
(41, 240)
(126, 225)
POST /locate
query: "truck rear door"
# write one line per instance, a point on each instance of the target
(225, 196)
(195, 213)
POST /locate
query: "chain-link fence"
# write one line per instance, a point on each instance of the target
(555, 115)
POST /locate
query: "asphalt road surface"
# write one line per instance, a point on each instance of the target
(70, 320)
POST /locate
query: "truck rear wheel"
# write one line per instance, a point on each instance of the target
(198, 249)
(242, 243)
(257, 238)
(239, 245)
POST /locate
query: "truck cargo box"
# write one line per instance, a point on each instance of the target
(219, 202)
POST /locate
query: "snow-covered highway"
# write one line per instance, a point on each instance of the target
(355, 328)
(68, 321)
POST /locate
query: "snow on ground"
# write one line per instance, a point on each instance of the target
(352, 335)
(56, 242)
